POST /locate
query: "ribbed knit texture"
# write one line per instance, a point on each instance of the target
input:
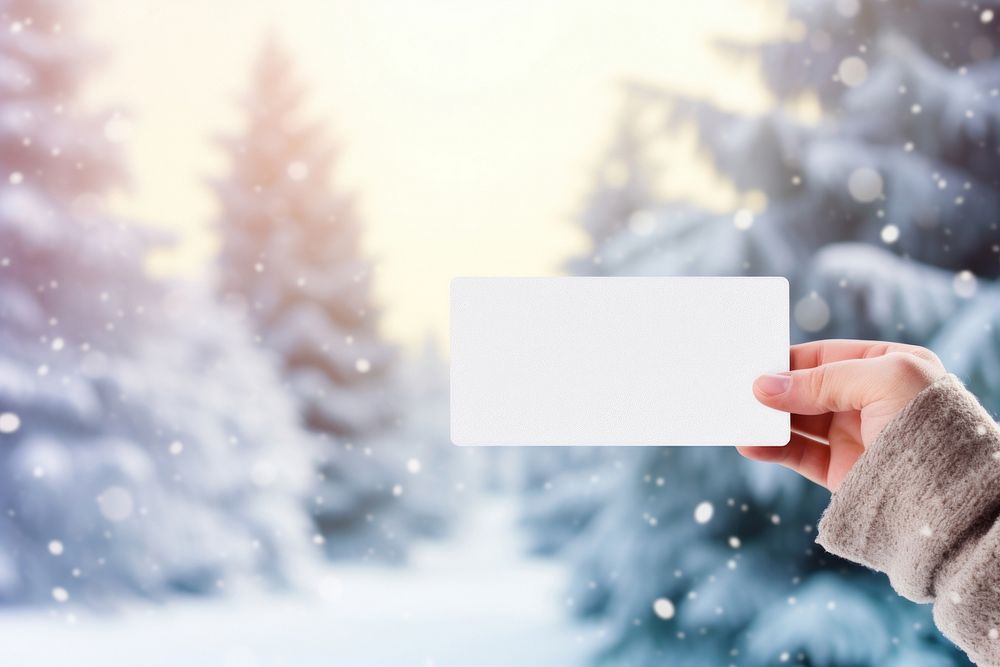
(922, 504)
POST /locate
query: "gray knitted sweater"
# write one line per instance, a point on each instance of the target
(922, 504)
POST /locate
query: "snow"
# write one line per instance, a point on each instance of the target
(115, 503)
(474, 599)
(964, 284)
(743, 218)
(811, 312)
(663, 608)
(703, 512)
(9, 422)
(865, 184)
(889, 234)
(852, 71)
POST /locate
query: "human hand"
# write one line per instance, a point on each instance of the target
(841, 394)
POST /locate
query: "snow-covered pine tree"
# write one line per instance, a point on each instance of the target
(883, 212)
(431, 488)
(144, 444)
(291, 260)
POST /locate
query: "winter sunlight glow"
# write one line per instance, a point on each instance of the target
(469, 129)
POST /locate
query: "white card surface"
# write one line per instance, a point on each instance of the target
(616, 361)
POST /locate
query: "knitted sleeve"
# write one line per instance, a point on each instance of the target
(922, 504)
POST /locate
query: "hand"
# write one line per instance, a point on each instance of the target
(841, 394)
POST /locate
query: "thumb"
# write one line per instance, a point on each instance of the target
(841, 386)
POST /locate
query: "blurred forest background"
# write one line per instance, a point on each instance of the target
(243, 465)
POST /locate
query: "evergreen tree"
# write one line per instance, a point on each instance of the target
(145, 446)
(883, 213)
(434, 483)
(291, 259)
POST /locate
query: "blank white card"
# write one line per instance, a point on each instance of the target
(616, 361)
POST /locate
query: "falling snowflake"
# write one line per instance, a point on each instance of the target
(964, 284)
(9, 422)
(890, 234)
(663, 608)
(176, 447)
(852, 71)
(60, 594)
(734, 542)
(812, 313)
(743, 219)
(115, 503)
(413, 466)
(56, 548)
(926, 531)
(986, 16)
(865, 184)
(703, 512)
(362, 365)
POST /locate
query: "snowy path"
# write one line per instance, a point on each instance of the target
(474, 600)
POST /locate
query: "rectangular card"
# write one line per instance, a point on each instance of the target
(616, 361)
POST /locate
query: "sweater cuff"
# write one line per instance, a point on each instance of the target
(922, 493)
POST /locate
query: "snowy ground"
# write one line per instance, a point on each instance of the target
(474, 600)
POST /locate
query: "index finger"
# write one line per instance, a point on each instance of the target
(819, 352)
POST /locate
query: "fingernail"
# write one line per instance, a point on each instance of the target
(772, 385)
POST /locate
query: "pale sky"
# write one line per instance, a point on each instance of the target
(469, 127)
